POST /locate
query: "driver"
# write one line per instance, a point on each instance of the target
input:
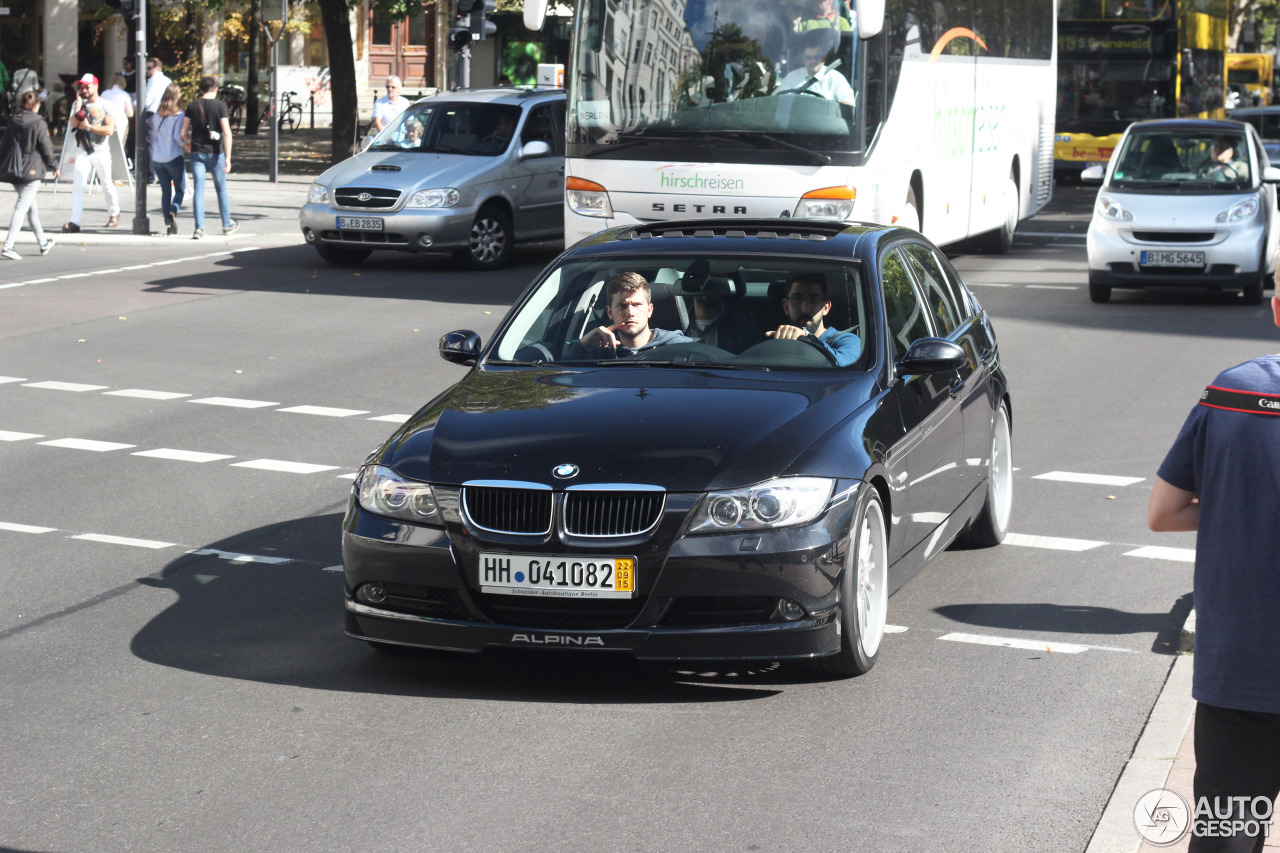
(806, 303)
(815, 76)
(1225, 165)
(630, 307)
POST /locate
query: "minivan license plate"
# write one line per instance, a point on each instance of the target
(1172, 259)
(360, 223)
(558, 577)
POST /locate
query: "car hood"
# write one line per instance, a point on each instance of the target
(1175, 211)
(405, 170)
(686, 430)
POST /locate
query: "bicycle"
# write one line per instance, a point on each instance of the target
(234, 97)
(290, 112)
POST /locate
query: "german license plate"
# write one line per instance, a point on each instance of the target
(1172, 259)
(361, 223)
(558, 577)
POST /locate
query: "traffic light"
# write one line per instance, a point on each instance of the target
(460, 32)
(481, 26)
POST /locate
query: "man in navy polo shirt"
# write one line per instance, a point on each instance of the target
(1221, 478)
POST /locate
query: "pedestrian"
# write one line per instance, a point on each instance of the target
(92, 126)
(29, 132)
(156, 84)
(207, 129)
(129, 71)
(164, 138)
(389, 105)
(1221, 479)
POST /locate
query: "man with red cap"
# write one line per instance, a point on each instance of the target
(92, 125)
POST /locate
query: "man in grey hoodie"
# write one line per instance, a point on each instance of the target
(630, 307)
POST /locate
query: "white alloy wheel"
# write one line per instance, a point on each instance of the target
(871, 581)
(1002, 471)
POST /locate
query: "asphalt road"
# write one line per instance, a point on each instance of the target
(174, 677)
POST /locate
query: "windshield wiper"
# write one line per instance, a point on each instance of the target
(736, 136)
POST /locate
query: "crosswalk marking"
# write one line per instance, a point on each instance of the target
(123, 540)
(325, 411)
(64, 386)
(6, 435)
(25, 528)
(1054, 543)
(146, 395)
(86, 444)
(1091, 479)
(1163, 552)
(233, 402)
(281, 465)
(1014, 643)
(182, 455)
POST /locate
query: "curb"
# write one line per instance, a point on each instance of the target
(1153, 756)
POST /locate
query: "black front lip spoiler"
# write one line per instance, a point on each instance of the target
(817, 636)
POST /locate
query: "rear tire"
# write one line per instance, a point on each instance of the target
(1098, 292)
(864, 591)
(1000, 241)
(992, 523)
(342, 257)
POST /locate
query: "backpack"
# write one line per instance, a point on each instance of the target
(11, 161)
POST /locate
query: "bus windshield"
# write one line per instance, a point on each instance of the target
(739, 79)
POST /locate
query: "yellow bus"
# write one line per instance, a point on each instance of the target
(1254, 71)
(1120, 61)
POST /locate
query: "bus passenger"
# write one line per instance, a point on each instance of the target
(815, 76)
(806, 304)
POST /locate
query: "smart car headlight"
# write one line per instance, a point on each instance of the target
(777, 503)
(1239, 211)
(319, 194)
(382, 491)
(1108, 208)
(444, 197)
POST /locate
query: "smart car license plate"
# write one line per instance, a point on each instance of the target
(361, 223)
(1172, 259)
(558, 577)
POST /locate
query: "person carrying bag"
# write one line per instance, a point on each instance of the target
(26, 152)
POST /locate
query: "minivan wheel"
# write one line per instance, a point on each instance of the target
(489, 243)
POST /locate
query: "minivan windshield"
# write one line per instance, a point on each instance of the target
(1194, 160)
(477, 129)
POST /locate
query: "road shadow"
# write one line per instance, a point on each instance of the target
(1076, 619)
(282, 623)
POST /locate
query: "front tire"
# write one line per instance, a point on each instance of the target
(489, 243)
(864, 591)
(992, 523)
(342, 257)
(1098, 292)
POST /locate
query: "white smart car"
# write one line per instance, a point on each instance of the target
(1185, 202)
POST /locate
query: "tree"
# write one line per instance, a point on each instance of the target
(336, 17)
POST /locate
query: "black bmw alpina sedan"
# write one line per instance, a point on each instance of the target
(698, 440)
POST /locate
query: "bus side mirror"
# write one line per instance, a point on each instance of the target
(535, 14)
(1092, 173)
(870, 18)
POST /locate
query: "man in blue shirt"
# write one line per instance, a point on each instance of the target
(1221, 479)
(806, 304)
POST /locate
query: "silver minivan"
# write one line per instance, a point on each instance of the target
(471, 172)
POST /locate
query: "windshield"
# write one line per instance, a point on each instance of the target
(734, 77)
(1182, 159)
(482, 130)
(692, 312)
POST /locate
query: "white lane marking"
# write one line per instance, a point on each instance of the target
(895, 629)
(336, 568)
(75, 275)
(233, 557)
(281, 465)
(233, 402)
(6, 435)
(1054, 543)
(392, 419)
(146, 395)
(1014, 643)
(65, 386)
(988, 284)
(25, 528)
(87, 444)
(1092, 479)
(123, 540)
(324, 410)
(182, 455)
(1050, 287)
(350, 476)
(4, 379)
(1163, 552)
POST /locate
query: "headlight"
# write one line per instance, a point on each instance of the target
(446, 197)
(777, 503)
(319, 194)
(1109, 209)
(823, 209)
(1240, 210)
(384, 492)
(587, 198)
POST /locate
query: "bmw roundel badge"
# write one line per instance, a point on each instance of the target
(565, 472)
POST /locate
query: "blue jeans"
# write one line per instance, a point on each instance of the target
(201, 163)
(173, 185)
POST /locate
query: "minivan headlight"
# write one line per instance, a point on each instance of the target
(319, 194)
(783, 502)
(1108, 208)
(445, 197)
(1239, 211)
(381, 490)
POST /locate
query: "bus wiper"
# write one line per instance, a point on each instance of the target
(604, 149)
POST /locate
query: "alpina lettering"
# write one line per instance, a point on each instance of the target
(557, 640)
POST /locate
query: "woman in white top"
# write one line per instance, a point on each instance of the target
(389, 105)
(164, 130)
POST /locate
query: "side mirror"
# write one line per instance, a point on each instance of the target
(932, 355)
(535, 14)
(460, 347)
(870, 18)
(537, 148)
(1271, 175)
(1093, 173)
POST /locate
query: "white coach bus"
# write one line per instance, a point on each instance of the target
(935, 114)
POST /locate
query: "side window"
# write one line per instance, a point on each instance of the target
(904, 314)
(557, 111)
(539, 127)
(942, 301)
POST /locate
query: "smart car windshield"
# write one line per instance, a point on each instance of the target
(693, 312)
(476, 129)
(1193, 160)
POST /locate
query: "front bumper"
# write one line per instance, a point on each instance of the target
(417, 230)
(1232, 255)
(698, 597)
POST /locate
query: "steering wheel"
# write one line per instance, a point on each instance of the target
(818, 345)
(1218, 171)
(803, 90)
(493, 139)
